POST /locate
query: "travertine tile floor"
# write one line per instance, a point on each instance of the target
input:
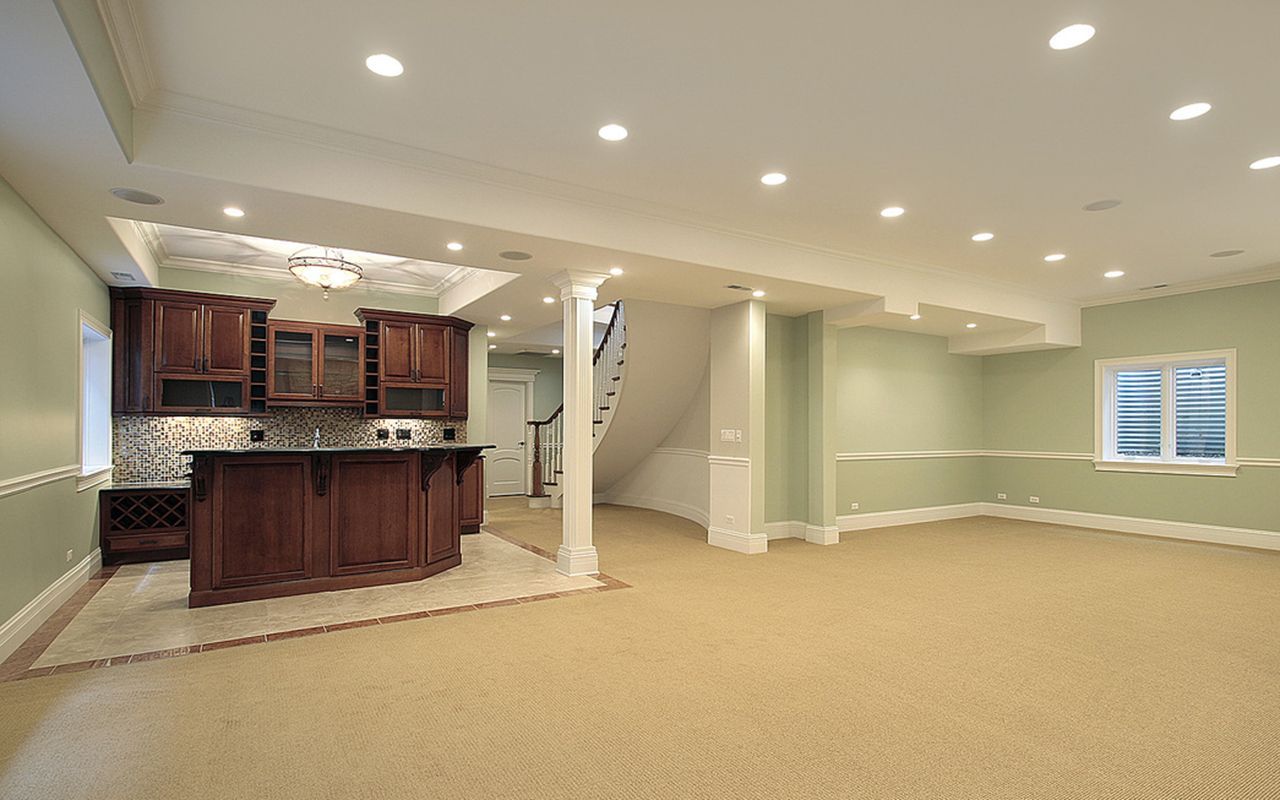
(143, 607)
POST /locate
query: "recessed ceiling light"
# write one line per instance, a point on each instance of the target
(613, 132)
(915, 317)
(983, 237)
(773, 179)
(1101, 205)
(548, 299)
(137, 196)
(615, 271)
(758, 293)
(515, 255)
(232, 211)
(1225, 253)
(505, 317)
(1072, 36)
(1113, 273)
(454, 246)
(892, 211)
(384, 65)
(493, 347)
(1052, 257)
(491, 334)
(1266, 163)
(555, 352)
(1190, 111)
(971, 325)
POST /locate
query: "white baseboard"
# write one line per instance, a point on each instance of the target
(795, 529)
(822, 534)
(739, 542)
(1166, 529)
(18, 628)
(685, 510)
(906, 516)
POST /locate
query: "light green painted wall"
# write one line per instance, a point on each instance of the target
(548, 386)
(1044, 402)
(786, 418)
(39, 344)
(904, 392)
(296, 300)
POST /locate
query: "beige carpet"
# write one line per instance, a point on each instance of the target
(977, 658)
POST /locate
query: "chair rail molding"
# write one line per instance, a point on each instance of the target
(21, 483)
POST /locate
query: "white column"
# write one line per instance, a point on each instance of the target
(577, 555)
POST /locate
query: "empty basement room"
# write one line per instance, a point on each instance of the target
(673, 400)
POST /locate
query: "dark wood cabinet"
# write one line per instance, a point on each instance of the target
(270, 523)
(313, 364)
(188, 352)
(416, 364)
(143, 522)
(471, 497)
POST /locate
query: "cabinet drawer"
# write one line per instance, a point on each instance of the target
(157, 541)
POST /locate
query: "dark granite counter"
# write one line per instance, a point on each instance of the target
(448, 447)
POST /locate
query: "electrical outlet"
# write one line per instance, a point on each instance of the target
(1035, 499)
(404, 434)
(728, 518)
(257, 435)
(450, 434)
(70, 555)
(853, 506)
(737, 436)
(1001, 496)
(383, 434)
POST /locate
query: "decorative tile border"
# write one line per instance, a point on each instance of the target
(18, 666)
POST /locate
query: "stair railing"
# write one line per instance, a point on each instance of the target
(548, 434)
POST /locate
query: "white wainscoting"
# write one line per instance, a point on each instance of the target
(18, 628)
(31, 480)
(675, 480)
(730, 505)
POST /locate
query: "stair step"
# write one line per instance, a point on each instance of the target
(603, 408)
(616, 378)
(609, 394)
(597, 422)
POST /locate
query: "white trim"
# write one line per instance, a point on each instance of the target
(88, 480)
(527, 377)
(795, 529)
(676, 508)
(512, 374)
(907, 454)
(1258, 462)
(682, 451)
(822, 534)
(1038, 454)
(11, 486)
(1165, 529)
(906, 516)
(1168, 467)
(737, 541)
(729, 461)
(1264, 275)
(18, 628)
(90, 475)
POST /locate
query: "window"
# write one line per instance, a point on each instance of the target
(1173, 413)
(95, 403)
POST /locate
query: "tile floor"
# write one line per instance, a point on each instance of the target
(139, 611)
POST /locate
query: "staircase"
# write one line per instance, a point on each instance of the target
(548, 434)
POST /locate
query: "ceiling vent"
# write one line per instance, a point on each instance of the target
(737, 287)
(123, 276)
(1154, 286)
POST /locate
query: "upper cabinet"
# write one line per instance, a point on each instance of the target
(313, 364)
(188, 352)
(415, 364)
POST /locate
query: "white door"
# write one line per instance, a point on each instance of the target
(505, 466)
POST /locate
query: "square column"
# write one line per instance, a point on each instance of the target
(821, 527)
(577, 555)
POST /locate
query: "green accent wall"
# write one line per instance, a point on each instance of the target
(548, 386)
(786, 415)
(1044, 401)
(39, 347)
(295, 299)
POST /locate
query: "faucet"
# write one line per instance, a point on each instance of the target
(315, 440)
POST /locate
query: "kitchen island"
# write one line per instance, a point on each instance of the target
(273, 522)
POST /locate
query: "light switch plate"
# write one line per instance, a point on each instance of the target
(726, 434)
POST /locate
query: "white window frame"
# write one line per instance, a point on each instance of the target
(1104, 457)
(91, 475)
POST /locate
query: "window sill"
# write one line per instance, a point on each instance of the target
(90, 477)
(1167, 468)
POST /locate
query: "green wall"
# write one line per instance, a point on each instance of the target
(1044, 401)
(786, 417)
(39, 346)
(296, 300)
(548, 386)
(899, 392)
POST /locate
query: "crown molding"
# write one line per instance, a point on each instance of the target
(121, 24)
(1263, 275)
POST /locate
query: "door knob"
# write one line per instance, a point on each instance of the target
(519, 444)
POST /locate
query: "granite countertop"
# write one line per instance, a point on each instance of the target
(122, 486)
(238, 451)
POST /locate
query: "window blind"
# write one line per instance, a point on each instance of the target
(1200, 411)
(1137, 412)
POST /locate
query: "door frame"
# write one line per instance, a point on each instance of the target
(512, 375)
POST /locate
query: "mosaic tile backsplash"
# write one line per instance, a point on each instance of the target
(147, 448)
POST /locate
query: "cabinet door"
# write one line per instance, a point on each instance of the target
(373, 512)
(178, 346)
(262, 520)
(292, 356)
(340, 364)
(458, 374)
(471, 496)
(433, 353)
(226, 340)
(442, 514)
(397, 351)
(200, 393)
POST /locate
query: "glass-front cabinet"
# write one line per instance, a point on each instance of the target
(314, 364)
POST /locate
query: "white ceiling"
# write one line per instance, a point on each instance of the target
(960, 113)
(957, 111)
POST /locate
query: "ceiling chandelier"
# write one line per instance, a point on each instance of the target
(324, 267)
